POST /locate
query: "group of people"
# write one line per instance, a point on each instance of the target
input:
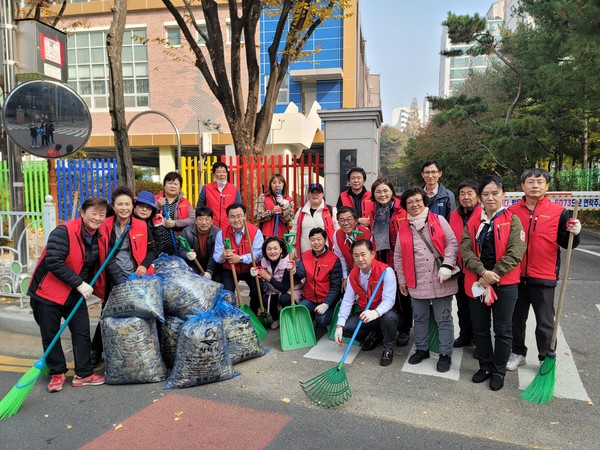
(406, 255)
(45, 132)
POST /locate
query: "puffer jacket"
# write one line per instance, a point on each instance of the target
(279, 274)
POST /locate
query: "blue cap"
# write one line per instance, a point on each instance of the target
(147, 198)
(315, 187)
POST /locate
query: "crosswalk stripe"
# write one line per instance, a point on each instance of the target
(587, 251)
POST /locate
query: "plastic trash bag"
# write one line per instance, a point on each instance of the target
(201, 353)
(226, 296)
(167, 335)
(164, 262)
(137, 297)
(242, 342)
(131, 351)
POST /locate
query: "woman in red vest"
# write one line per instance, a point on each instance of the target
(426, 252)
(492, 247)
(219, 194)
(380, 322)
(274, 209)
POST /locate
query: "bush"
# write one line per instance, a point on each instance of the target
(151, 186)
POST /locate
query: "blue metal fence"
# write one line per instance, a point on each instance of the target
(89, 177)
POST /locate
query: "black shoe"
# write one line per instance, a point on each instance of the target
(372, 341)
(97, 358)
(475, 354)
(418, 356)
(386, 358)
(463, 341)
(443, 364)
(481, 375)
(402, 339)
(496, 382)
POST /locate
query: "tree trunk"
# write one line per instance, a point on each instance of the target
(116, 100)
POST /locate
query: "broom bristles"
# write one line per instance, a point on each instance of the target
(12, 401)
(328, 389)
(541, 388)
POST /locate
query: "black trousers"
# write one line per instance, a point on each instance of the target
(229, 284)
(48, 315)
(541, 298)
(386, 325)
(273, 301)
(463, 303)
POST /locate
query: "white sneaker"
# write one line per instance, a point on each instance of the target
(275, 325)
(514, 361)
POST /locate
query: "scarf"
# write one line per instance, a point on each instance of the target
(486, 226)
(381, 226)
(419, 221)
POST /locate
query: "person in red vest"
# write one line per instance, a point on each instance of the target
(468, 204)
(380, 321)
(492, 247)
(243, 237)
(323, 282)
(425, 254)
(315, 213)
(180, 213)
(356, 196)
(274, 209)
(61, 277)
(219, 195)
(134, 256)
(547, 228)
(343, 239)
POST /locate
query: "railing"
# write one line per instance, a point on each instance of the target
(35, 185)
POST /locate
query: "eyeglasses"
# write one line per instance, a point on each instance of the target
(414, 202)
(143, 206)
(431, 172)
(352, 219)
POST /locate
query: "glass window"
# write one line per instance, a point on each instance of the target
(97, 39)
(83, 56)
(99, 87)
(204, 29)
(174, 36)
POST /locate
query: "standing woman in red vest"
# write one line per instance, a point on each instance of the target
(426, 252)
(219, 194)
(492, 247)
(274, 208)
(179, 211)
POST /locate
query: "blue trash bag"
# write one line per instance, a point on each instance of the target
(136, 297)
(168, 332)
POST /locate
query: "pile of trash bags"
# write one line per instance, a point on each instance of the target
(174, 319)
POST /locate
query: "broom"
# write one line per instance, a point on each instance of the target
(331, 388)
(11, 403)
(541, 388)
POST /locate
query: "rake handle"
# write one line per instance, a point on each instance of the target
(563, 285)
(360, 322)
(260, 299)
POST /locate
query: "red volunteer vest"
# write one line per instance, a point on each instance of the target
(365, 202)
(438, 238)
(219, 201)
(182, 210)
(327, 221)
(457, 225)
(242, 249)
(51, 288)
(502, 225)
(268, 227)
(318, 269)
(377, 269)
(344, 245)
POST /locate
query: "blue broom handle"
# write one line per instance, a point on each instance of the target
(360, 322)
(277, 216)
(68, 319)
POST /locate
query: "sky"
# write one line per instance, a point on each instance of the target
(403, 44)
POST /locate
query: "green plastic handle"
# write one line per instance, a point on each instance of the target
(358, 235)
(227, 243)
(290, 239)
(185, 243)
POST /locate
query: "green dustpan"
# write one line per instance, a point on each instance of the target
(261, 331)
(296, 328)
(334, 319)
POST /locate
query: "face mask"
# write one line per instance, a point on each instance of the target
(221, 184)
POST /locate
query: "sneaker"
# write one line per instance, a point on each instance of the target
(402, 340)
(56, 382)
(514, 361)
(275, 325)
(481, 375)
(463, 341)
(386, 358)
(496, 382)
(443, 364)
(418, 356)
(93, 380)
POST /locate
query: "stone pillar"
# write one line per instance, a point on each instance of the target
(348, 129)
(166, 160)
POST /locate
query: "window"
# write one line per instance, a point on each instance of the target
(204, 29)
(173, 36)
(88, 68)
(283, 98)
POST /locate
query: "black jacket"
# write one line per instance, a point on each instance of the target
(207, 263)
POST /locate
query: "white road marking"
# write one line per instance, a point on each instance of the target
(598, 306)
(328, 350)
(587, 251)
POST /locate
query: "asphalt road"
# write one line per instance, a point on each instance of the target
(265, 407)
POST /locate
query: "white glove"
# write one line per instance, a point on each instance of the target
(254, 271)
(339, 334)
(369, 316)
(444, 274)
(322, 308)
(85, 290)
(284, 203)
(279, 199)
(207, 275)
(574, 226)
(291, 265)
(191, 255)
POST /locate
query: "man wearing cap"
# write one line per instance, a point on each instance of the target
(356, 196)
(314, 214)
(201, 237)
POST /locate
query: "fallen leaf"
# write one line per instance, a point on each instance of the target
(294, 362)
(590, 403)
(69, 426)
(285, 400)
(155, 400)
(179, 413)
(118, 427)
(45, 415)
(554, 423)
(242, 386)
(177, 418)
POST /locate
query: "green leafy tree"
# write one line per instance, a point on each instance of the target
(392, 144)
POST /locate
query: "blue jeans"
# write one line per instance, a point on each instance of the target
(322, 319)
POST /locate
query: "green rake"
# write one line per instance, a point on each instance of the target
(331, 388)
